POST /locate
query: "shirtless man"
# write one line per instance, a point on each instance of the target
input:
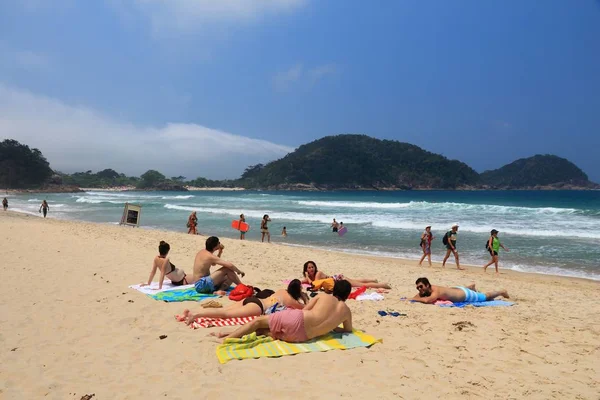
(323, 314)
(208, 283)
(334, 226)
(429, 294)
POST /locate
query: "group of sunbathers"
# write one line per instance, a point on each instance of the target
(289, 314)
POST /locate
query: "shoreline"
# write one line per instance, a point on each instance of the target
(436, 265)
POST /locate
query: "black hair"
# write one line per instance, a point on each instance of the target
(295, 289)
(163, 248)
(342, 289)
(424, 281)
(211, 243)
(284, 227)
(306, 267)
(265, 293)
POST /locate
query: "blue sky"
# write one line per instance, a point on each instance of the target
(205, 88)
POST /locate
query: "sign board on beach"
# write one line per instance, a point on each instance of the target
(131, 215)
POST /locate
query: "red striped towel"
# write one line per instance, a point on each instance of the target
(203, 322)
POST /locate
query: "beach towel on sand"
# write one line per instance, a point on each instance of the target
(188, 294)
(204, 322)
(253, 346)
(153, 288)
(491, 303)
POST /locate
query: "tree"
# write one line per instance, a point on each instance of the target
(22, 167)
(178, 179)
(150, 178)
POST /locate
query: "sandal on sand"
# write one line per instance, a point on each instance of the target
(391, 313)
(211, 304)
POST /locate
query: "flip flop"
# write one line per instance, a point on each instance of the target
(211, 304)
(391, 313)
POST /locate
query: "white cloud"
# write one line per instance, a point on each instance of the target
(190, 15)
(297, 75)
(317, 73)
(76, 138)
(283, 80)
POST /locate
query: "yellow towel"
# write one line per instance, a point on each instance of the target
(253, 346)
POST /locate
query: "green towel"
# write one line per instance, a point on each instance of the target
(188, 294)
(253, 346)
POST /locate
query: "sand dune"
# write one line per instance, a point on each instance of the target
(69, 326)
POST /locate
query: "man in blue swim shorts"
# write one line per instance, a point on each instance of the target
(207, 282)
(429, 294)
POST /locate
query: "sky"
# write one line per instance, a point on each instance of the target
(207, 88)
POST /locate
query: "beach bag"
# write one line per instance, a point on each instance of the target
(240, 292)
(445, 239)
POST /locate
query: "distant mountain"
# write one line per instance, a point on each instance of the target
(360, 162)
(539, 171)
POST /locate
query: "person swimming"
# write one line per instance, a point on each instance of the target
(292, 297)
(311, 273)
(167, 269)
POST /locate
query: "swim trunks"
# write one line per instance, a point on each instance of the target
(335, 230)
(205, 285)
(494, 254)
(288, 325)
(264, 230)
(472, 296)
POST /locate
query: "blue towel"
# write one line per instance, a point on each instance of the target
(492, 303)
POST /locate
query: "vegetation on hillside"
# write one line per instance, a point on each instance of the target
(539, 170)
(22, 167)
(359, 161)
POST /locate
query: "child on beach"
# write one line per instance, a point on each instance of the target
(493, 246)
(161, 262)
(284, 232)
(426, 239)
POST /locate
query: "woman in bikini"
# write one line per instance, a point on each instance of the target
(192, 223)
(161, 262)
(292, 297)
(264, 229)
(311, 273)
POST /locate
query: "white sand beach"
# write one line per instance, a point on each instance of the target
(69, 326)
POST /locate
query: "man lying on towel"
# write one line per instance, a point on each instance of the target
(429, 294)
(323, 314)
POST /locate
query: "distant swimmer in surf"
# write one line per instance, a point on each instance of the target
(334, 226)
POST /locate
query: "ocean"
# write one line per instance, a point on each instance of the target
(547, 232)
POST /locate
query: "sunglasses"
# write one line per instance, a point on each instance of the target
(419, 287)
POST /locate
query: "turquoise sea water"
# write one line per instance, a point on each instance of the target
(547, 232)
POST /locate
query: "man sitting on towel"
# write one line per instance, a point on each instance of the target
(323, 314)
(222, 278)
(429, 294)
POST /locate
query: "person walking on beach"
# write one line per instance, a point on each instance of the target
(493, 246)
(264, 229)
(334, 226)
(429, 294)
(45, 207)
(5, 203)
(242, 233)
(426, 239)
(450, 242)
(192, 223)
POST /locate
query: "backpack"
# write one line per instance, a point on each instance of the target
(445, 239)
(487, 244)
(240, 292)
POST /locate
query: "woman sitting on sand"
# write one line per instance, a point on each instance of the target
(311, 273)
(255, 305)
(176, 275)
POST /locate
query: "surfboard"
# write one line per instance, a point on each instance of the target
(342, 231)
(240, 226)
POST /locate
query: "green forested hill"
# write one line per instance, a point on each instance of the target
(539, 170)
(360, 161)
